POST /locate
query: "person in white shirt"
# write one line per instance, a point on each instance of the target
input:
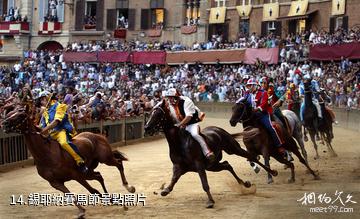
(187, 115)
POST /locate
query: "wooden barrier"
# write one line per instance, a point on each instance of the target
(13, 148)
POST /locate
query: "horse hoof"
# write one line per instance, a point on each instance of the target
(334, 155)
(210, 204)
(125, 208)
(270, 180)
(306, 139)
(165, 192)
(131, 189)
(81, 215)
(317, 177)
(285, 166)
(275, 173)
(247, 184)
(291, 180)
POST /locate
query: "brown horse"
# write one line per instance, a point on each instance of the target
(187, 156)
(259, 142)
(56, 166)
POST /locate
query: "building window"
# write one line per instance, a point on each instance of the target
(220, 3)
(192, 12)
(90, 14)
(338, 23)
(301, 25)
(157, 18)
(271, 26)
(244, 27)
(122, 18)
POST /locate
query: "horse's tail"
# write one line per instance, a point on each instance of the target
(119, 156)
(231, 146)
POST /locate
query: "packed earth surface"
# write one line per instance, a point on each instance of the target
(149, 168)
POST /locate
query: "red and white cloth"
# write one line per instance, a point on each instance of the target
(49, 28)
(14, 28)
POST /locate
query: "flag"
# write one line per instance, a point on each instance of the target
(217, 15)
(298, 8)
(270, 11)
(338, 7)
(244, 11)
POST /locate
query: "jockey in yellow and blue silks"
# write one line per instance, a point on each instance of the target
(57, 122)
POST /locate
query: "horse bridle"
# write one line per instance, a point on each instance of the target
(17, 127)
(159, 126)
(243, 112)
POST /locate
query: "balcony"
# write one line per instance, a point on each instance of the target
(49, 28)
(13, 28)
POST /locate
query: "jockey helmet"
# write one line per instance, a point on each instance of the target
(263, 79)
(292, 86)
(44, 94)
(251, 81)
(172, 92)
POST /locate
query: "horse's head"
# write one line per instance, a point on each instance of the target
(17, 121)
(157, 119)
(307, 85)
(240, 112)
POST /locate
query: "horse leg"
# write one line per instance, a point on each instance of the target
(177, 173)
(206, 187)
(281, 159)
(298, 136)
(88, 186)
(305, 136)
(226, 166)
(61, 187)
(312, 136)
(328, 144)
(266, 156)
(302, 160)
(98, 177)
(119, 165)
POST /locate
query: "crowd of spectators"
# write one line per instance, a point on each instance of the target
(117, 90)
(13, 15)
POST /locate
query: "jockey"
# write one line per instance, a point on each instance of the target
(315, 90)
(263, 111)
(187, 115)
(56, 120)
(275, 99)
(291, 96)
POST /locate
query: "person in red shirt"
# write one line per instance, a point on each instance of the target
(263, 111)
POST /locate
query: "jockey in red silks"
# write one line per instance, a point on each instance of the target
(263, 110)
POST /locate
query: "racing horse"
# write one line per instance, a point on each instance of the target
(57, 166)
(312, 122)
(187, 156)
(259, 142)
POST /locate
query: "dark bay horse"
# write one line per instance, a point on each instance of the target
(312, 122)
(186, 154)
(56, 166)
(259, 142)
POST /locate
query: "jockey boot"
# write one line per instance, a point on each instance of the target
(82, 167)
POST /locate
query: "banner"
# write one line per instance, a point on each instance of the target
(338, 7)
(335, 52)
(188, 29)
(206, 57)
(217, 15)
(244, 11)
(80, 56)
(153, 57)
(267, 55)
(298, 8)
(270, 11)
(113, 56)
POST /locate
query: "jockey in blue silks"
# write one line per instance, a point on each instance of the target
(315, 88)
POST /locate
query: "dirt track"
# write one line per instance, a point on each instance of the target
(149, 167)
